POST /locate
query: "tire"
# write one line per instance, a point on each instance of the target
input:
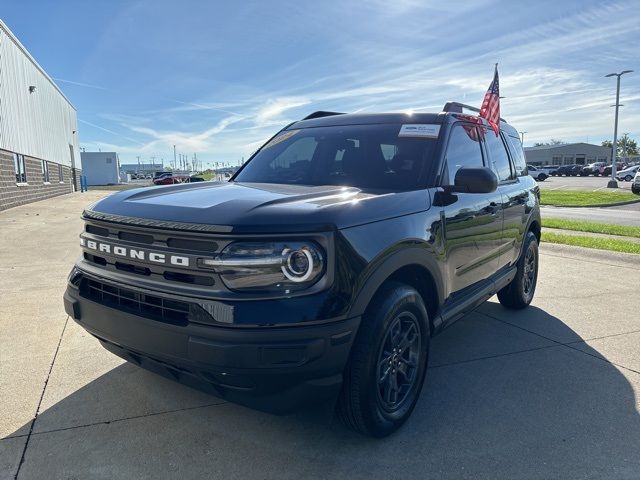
(542, 177)
(366, 402)
(628, 178)
(635, 190)
(519, 293)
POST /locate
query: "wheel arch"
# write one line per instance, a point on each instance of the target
(535, 227)
(423, 275)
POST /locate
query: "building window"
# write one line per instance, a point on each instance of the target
(18, 164)
(45, 171)
(60, 174)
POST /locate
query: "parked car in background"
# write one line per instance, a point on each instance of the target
(574, 170)
(628, 173)
(595, 169)
(568, 170)
(173, 179)
(538, 173)
(635, 186)
(170, 179)
(619, 166)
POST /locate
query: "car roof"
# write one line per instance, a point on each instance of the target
(330, 119)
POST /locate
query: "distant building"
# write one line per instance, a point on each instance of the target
(39, 152)
(146, 168)
(101, 168)
(567, 154)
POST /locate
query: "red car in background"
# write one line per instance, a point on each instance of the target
(171, 179)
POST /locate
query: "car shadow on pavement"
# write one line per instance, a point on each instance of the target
(499, 402)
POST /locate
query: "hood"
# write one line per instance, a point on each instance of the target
(258, 208)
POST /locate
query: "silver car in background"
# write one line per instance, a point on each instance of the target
(628, 173)
(635, 186)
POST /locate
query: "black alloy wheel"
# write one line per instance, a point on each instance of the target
(519, 292)
(386, 370)
(398, 362)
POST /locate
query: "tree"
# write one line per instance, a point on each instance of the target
(624, 143)
(553, 141)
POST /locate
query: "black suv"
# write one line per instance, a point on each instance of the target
(322, 269)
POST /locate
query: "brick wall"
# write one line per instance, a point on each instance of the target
(76, 173)
(12, 195)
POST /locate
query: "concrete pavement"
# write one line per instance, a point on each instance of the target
(548, 392)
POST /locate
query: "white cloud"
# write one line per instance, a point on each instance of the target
(274, 108)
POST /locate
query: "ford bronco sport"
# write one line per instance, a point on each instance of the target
(322, 269)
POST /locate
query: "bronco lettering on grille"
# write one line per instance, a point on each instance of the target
(135, 253)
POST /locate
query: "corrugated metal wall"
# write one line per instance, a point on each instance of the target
(38, 124)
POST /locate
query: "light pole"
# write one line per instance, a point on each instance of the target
(522, 138)
(613, 183)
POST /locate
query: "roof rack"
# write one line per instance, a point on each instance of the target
(320, 114)
(457, 107)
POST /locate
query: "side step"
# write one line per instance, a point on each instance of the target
(461, 306)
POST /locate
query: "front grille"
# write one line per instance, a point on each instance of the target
(136, 237)
(172, 239)
(142, 304)
(190, 244)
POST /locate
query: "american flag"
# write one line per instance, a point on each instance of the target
(491, 104)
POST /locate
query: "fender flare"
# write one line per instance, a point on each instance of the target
(384, 268)
(533, 217)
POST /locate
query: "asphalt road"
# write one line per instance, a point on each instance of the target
(548, 392)
(581, 183)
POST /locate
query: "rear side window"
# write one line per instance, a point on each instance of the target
(463, 150)
(519, 160)
(498, 158)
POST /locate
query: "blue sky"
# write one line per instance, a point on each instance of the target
(218, 77)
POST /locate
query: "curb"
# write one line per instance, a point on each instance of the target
(627, 260)
(595, 205)
(579, 233)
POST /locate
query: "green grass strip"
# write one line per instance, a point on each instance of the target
(581, 198)
(592, 227)
(614, 245)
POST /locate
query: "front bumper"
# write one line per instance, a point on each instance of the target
(274, 369)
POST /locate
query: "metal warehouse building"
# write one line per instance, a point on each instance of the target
(101, 168)
(39, 152)
(567, 154)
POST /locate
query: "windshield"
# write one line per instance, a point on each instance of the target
(363, 156)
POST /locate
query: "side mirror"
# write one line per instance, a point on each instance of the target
(474, 180)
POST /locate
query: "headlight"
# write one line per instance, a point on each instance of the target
(268, 266)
